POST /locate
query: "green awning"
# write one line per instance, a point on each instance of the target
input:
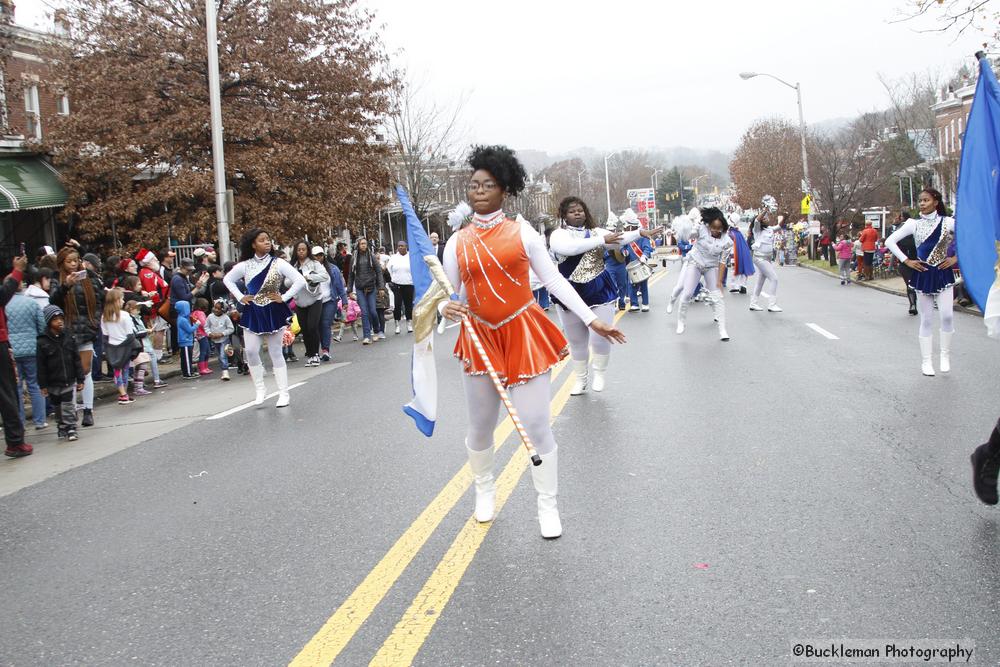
(28, 183)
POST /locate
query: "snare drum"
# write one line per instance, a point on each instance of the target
(638, 272)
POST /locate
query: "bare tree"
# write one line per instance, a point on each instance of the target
(768, 161)
(426, 139)
(957, 16)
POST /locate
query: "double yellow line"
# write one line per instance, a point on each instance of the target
(410, 633)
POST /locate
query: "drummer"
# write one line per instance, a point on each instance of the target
(641, 251)
(579, 245)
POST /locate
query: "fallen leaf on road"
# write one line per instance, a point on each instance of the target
(701, 566)
(201, 474)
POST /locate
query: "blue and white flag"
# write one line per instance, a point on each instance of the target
(977, 213)
(427, 294)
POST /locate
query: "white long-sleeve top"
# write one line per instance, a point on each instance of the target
(118, 331)
(540, 262)
(709, 251)
(248, 270)
(399, 269)
(919, 228)
(763, 239)
(570, 241)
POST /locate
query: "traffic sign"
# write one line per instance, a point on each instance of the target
(806, 205)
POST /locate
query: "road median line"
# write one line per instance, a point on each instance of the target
(334, 635)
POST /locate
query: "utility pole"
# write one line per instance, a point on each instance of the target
(218, 157)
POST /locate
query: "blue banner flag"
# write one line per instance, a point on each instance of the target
(977, 212)
(427, 294)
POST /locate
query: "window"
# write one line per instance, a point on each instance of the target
(62, 104)
(961, 122)
(33, 112)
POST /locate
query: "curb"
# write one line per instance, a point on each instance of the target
(887, 290)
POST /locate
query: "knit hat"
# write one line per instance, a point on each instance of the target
(144, 257)
(123, 265)
(51, 311)
(93, 259)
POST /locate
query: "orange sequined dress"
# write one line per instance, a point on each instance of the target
(520, 340)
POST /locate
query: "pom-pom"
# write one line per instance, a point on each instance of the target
(458, 217)
(287, 337)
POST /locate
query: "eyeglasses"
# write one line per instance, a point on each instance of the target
(488, 186)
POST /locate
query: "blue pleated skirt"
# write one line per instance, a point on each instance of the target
(265, 319)
(933, 280)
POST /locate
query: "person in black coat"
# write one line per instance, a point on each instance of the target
(59, 369)
(909, 246)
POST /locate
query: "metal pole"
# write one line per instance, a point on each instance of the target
(218, 157)
(680, 180)
(805, 168)
(910, 178)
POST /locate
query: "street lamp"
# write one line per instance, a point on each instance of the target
(579, 181)
(607, 180)
(694, 186)
(802, 126)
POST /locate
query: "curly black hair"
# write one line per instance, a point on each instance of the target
(502, 165)
(712, 213)
(246, 243)
(564, 205)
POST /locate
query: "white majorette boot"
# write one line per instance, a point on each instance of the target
(682, 312)
(773, 306)
(600, 366)
(670, 304)
(719, 308)
(257, 373)
(546, 479)
(754, 305)
(580, 385)
(481, 465)
(926, 350)
(946, 350)
(281, 376)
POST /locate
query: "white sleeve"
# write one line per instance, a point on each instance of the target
(892, 243)
(566, 245)
(450, 265)
(297, 280)
(545, 269)
(230, 279)
(627, 238)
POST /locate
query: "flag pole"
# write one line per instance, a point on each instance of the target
(437, 271)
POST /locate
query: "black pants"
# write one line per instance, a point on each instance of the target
(13, 428)
(309, 317)
(62, 400)
(186, 363)
(402, 301)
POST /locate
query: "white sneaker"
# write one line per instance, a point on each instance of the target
(366, 341)
(225, 375)
(397, 328)
(754, 306)
(409, 326)
(774, 308)
(381, 335)
(645, 309)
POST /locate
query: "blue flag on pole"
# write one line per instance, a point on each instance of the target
(427, 294)
(977, 212)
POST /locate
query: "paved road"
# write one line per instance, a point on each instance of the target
(719, 501)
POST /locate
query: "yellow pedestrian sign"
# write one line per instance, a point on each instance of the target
(807, 204)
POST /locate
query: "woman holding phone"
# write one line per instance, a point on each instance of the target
(80, 295)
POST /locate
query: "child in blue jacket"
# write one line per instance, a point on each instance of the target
(186, 328)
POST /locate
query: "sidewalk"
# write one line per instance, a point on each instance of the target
(891, 285)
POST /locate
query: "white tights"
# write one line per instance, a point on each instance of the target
(946, 307)
(765, 271)
(692, 275)
(679, 287)
(531, 400)
(252, 343)
(579, 334)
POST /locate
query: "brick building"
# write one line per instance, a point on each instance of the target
(951, 111)
(30, 190)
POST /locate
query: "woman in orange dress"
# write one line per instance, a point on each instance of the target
(489, 258)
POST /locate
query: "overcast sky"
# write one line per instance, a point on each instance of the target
(555, 75)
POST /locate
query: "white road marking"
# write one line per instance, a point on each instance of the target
(248, 405)
(821, 331)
